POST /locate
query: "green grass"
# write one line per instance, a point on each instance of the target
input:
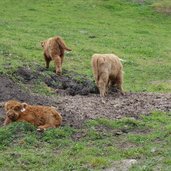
(133, 31)
(101, 143)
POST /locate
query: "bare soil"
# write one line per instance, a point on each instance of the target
(69, 83)
(79, 100)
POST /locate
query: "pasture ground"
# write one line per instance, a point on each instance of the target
(94, 135)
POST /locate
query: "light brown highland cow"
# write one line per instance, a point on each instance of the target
(41, 116)
(54, 50)
(107, 70)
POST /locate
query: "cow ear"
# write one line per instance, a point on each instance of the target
(24, 106)
(42, 43)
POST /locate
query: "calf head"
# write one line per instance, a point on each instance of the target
(14, 113)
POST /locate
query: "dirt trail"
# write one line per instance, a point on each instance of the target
(76, 109)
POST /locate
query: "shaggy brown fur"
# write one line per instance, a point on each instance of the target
(107, 70)
(41, 116)
(11, 104)
(54, 50)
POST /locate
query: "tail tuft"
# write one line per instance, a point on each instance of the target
(122, 60)
(61, 42)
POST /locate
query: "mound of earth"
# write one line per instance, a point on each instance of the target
(69, 83)
(77, 109)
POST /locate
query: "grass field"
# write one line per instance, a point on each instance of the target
(95, 149)
(137, 33)
(134, 32)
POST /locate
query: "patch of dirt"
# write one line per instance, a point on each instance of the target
(69, 83)
(161, 81)
(77, 109)
(122, 165)
(163, 9)
(10, 90)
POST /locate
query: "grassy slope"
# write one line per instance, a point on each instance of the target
(102, 142)
(135, 33)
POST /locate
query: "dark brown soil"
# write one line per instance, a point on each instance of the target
(76, 109)
(69, 83)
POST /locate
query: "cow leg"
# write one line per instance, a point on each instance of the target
(62, 56)
(58, 65)
(44, 127)
(47, 60)
(96, 78)
(119, 81)
(62, 59)
(103, 84)
(7, 121)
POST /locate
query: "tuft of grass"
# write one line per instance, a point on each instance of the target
(11, 133)
(42, 88)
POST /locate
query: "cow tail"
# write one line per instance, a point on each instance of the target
(62, 44)
(95, 68)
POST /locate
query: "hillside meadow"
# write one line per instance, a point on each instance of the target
(137, 31)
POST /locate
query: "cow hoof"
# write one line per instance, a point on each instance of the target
(122, 93)
(59, 73)
(40, 130)
(103, 101)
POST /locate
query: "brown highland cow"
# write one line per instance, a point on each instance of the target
(54, 50)
(107, 70)
(41, 116)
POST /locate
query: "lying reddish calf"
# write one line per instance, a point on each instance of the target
(41, 116)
